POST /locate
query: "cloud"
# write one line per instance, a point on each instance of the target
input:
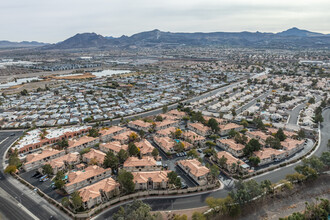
(53, 21)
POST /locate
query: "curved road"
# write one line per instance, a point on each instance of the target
(194, 201)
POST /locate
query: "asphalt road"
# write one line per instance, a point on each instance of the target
(194, 201)
(39, 208)
(295, 113)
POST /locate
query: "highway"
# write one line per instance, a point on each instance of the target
(194, 201)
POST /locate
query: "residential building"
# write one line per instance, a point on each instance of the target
(147, 163)
(81, 143)
(140, 125)
(195, 170)
(108, 133)
(94, 156)
(79, 179)
(145, 147)
(199, 128)
(165, 143)
(232, 163)
(36, 160)
(99, 192)
(225, 129)
(64, 162)
(231, 146)
(156, 180)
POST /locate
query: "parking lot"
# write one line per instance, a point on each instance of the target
(43, 186)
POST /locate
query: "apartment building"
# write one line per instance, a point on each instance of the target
(81, 143)
(147, 163)
(64, 162)
(199, 128)
(140, 125)
(165, 143)
(36, 160)
(226, 128)
(99, 192)
(156, 180)
(231, 146)
(79, 179)
(94, 157)
(195, 170)
(145, 147)
(108, 133)
(232, 163)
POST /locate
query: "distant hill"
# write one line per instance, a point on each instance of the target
(291, 38)
(299, 33)
(9, 44)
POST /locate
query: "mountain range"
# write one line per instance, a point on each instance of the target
(292, 38)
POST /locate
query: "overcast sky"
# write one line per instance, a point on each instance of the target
(55, 20)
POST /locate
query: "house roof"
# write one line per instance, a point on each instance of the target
(195, 167)
(165, 142)
(136, 162)
(80, 141)
(39, 156)
(166, 131)
(141, 123)
(193, 136)
(93, 191)
(267, 153)
(155, 176)
(110, 130)
(229, 126)
(98, 155)
(200, 127)
(115, 146)
(230, 158)
(145, 146)
(79, 176)
(69, 158)
(232, 144)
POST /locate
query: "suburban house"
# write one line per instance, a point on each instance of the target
(98, 192)
(147, 163)
(63, 162)
(108, 133)
(140, 125)
(231, 146)
(94, 156)
(79, 179)
(165, 124)
(232, 160)
(36, 160)
(199, 128)
(165, 143)
(268, 155)
(195, 170)
(225, 129)
(145, 147)
(286, 132)
(156, 180)
(114, 146)
(81, 143)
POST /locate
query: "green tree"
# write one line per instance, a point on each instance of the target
(47, 169)
(198, 216)
(254, 160)
(65, 202)
(76, 200)
(301, 134)
(192, 153)
(110, 160)
(258, 123)
(136, 210)
(174, 179)
(178, 133)
(165, 109)
(214, 125)
(155, 152)
(222, 161)
(232, 133)
(295, 177)
(125, 179)
(122, 156)
(280, 134)
(94, 132)
(62, 144)
(274, 142)
(325, 158)
(14, 160)
(180, 217)
(214, 170)
(159, 118)
(244, 123)
(10, 169)
(132, 149)
(85, 150)
(252, 146)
